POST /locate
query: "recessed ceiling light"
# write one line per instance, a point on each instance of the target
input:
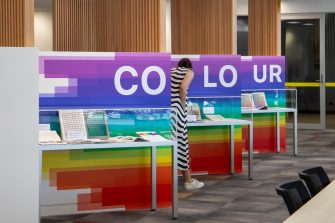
(308, 24)
(293, 22)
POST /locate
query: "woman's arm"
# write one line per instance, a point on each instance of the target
(184, 86)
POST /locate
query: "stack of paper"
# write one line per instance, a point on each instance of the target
(215, 117)
(49, 137)
(151, 136)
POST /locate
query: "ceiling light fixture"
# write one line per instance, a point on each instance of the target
(293, 22)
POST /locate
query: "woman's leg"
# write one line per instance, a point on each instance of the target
(187, 176)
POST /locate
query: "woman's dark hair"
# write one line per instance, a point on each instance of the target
(185, 62)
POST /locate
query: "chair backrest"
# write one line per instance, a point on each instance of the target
(294, 193)
(315, 178)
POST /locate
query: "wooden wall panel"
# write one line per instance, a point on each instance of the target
(109, 25)
(74, 25)
(264, 27)
(17, 23)
(203, 26)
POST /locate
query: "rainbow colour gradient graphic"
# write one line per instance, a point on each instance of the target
(210, 145)
(265, 125)
(115, 178)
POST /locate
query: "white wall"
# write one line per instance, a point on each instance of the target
(43, 30)
(242, 7)
(307, 6)
(19, 156)
(294, 6)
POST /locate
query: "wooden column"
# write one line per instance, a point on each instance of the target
(17, 23)
(109, 25)
(74, 25)
(203, 26)
(264, 27)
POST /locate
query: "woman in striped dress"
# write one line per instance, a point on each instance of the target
(181, 78)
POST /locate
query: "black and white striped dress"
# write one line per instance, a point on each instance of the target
(178, 118)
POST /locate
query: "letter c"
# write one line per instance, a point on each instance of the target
(117, 80)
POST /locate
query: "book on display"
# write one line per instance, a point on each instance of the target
(246, 101)
(72, 123)
(215, 117)
(96, 124)
(193, 112)
(259, 100)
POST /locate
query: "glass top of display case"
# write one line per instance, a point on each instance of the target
(213, 108)
(93, 126)
(211, 111)
(268, 100)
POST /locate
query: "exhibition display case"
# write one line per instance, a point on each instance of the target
(107, 159)
(263, 99)
(215, 138)
(210, 144)
(105, 124)
(111, 112)
(268, 109)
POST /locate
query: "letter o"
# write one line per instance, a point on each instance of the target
(221, 76)
(162, 78)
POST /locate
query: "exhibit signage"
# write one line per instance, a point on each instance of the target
(263, 72)
(214, 75)
(109, 80)
(142, 80)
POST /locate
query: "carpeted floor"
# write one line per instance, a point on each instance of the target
(234, 198)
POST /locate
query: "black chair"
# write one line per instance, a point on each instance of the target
(294, 193)
(315, 178)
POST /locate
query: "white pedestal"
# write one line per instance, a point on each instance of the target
(19, 158)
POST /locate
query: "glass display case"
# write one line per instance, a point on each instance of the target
(215, 135)
(121, 157)
(98, 125)
(269, 98)
(269, 110)
(214, 108)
